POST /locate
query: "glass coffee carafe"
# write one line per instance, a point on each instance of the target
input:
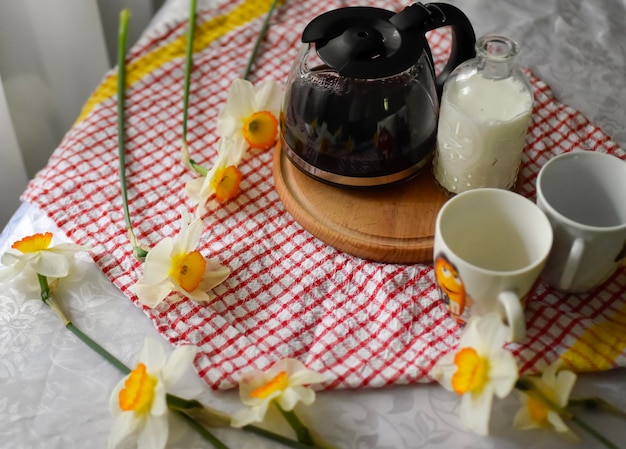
(362, 99)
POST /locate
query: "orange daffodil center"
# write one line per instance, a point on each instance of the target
(277, 383)
(472, 372)
(226, 183)
(260, 130)
(188, 270)
(537, 410)
(33, 243)
(138, 392)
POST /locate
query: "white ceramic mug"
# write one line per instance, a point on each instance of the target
(583, 193)
(490, 247)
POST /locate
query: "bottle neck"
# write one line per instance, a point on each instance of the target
(496, 56)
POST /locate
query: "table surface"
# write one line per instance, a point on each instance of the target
(54, 390)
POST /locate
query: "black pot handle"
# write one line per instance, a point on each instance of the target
(437, 15)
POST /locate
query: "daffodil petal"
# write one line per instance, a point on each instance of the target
(492, 333)
(10, 257)
(240, 99)
(214, 275)
(152, 295)
(152, 355)
(291, 396)
(68, 248)
(249, 415)
(11, 272)
(196, 295)
(269, 97)
(503, 373)
(476, 410)
(124, 425)
(189, 236)
(444, 369)
(180, 360)
(235, 148)
(564, 383)
(154, 434)
(306, 376)
(522, 419)
(555, 420)
(159, 402)
(158, 261)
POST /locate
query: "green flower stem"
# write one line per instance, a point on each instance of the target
(593, 432)
(302, 433)
(216, 418)
(198, 168)
(47, 299)
(257, 44)
(139, 252)
(97, 348)
(188, 62)
(208, 436)
(596, 404)
(191, 28)
(278, 438)
(526, 387)
(190, 410)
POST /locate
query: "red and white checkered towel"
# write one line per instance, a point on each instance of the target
(362, 323)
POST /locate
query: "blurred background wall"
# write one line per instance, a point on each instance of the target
(53, 54)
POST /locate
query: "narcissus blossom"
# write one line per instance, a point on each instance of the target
(222, 180)
(478, 369)
(139, 401)
(175, 265)
(286, 383)
(251, 112)
(36, 253)
(541, 404)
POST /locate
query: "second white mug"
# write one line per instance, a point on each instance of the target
(583, 193)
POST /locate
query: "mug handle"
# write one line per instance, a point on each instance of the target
(573, 261)
(514, 315)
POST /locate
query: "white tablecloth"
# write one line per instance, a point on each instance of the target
(54, 390)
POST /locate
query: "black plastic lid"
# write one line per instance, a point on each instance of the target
(362, 42)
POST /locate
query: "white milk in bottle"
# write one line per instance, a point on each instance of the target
(485, 113)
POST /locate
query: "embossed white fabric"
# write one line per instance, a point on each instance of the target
(54, 390)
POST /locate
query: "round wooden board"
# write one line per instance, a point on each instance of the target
(393, 224)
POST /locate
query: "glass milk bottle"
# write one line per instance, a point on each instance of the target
(485, 113)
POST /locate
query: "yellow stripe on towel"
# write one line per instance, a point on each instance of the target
(600, 345)
(205, 34)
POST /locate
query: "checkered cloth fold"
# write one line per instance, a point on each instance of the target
(364, 324)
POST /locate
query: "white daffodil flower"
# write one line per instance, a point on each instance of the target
(222, 180)
(174, 265)
(554, 387)
(478, 369)
(35, 254)
(139, 402)
(285, 383)
(252, 112)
